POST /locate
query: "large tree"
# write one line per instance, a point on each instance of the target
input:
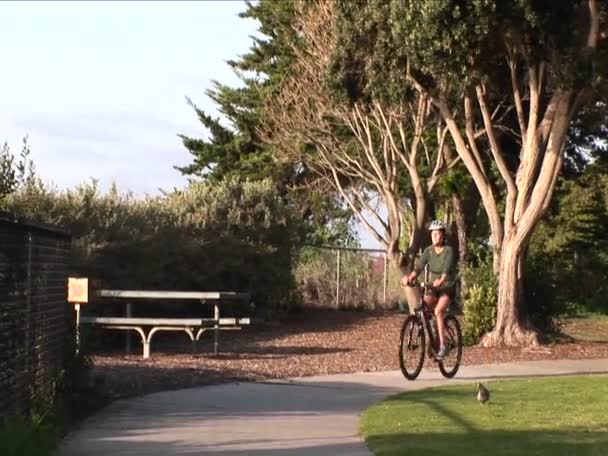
(368, 148)
(519, 69)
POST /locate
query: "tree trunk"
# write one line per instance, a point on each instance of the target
(461, 233)
(513, 328)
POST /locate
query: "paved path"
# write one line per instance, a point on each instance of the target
(300, 416)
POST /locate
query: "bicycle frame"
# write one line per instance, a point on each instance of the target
(427, 316)
(429, 324)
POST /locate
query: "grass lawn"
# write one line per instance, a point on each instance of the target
(559, 416)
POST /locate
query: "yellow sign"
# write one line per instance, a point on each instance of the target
(78, 290)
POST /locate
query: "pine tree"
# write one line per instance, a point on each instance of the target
(236, 150)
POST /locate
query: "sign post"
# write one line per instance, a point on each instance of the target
(78, 293)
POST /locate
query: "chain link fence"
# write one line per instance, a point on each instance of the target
(33, 312)
(348, 278)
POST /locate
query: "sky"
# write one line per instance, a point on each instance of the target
(100, 88)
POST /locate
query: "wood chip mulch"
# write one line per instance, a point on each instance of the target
(307, 343)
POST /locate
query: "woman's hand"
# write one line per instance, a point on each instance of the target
(405, 280)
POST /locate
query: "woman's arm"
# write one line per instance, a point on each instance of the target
(448, 266)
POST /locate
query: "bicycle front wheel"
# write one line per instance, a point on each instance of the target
(453, 342)
(411, 347)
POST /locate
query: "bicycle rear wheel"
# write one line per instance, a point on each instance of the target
(411, 347)
(453, 341)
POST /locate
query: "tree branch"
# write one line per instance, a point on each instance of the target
(512, 62)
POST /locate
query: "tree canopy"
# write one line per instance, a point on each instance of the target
(520, 71)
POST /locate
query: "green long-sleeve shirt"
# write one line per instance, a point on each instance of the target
(442, 263)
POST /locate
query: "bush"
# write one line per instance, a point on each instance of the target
(36, 436)
(19, 437)
(76, 364)
(480, 300)
(232, 235)
(479, 312)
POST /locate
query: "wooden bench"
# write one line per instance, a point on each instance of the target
(147, 327)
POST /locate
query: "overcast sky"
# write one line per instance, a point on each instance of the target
(100, 87)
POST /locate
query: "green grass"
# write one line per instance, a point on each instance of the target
(552, 416)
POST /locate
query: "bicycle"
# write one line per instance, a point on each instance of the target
(412, 343)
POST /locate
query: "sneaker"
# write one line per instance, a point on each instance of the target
(441, 353)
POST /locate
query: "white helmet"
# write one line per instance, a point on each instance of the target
(437, 225)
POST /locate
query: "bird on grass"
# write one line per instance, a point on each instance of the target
(483, 394)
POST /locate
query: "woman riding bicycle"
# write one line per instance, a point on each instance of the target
(440, 259)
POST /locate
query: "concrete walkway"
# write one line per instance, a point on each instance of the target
(300, 416)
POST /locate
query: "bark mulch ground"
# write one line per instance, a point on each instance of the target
(307, 343)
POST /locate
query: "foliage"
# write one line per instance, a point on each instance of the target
(567, 259)
(510, 68)
(21, 437)
(479, 312)
(480, 299)
(76, 364)
(523, 417)
(234, 148)
(232, 235)
(14, 174)
(587, 138)
(237, 150)
(36, 435)
(452, 44)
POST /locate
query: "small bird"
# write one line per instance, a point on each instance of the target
(483, 395)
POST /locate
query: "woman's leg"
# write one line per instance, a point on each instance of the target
(430, 300)
(442, 304)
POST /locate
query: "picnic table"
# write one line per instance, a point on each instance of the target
(146, 327)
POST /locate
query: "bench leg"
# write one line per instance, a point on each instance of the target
(216, 337)
(139, 331)
(216, 342)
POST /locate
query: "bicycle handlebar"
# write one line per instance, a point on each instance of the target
(416, 283)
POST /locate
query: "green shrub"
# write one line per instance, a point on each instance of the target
(36, 436)
(479, 313)
(480, 299)
(19, 437)
(233, 235)
(76, 363)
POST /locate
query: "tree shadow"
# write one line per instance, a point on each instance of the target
(470, 440)
(240, 418)
(248, 447)
(299, 417)
(317, 320)
(473, 442)
(249, 338)
(227, 351)
(535, 375)
(269, 352)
